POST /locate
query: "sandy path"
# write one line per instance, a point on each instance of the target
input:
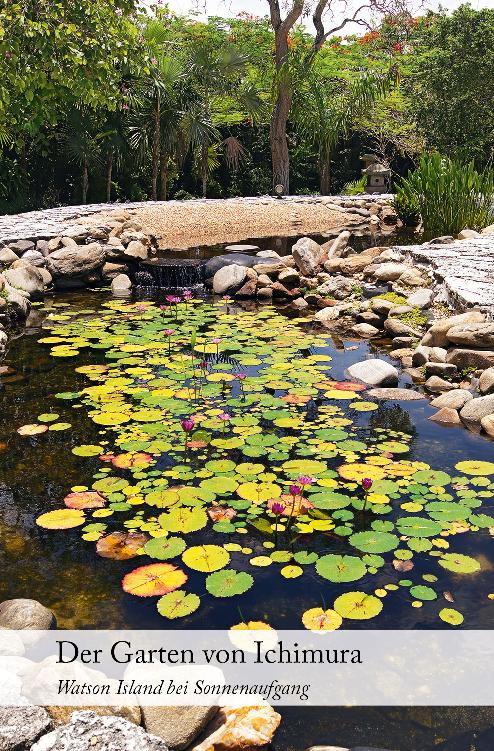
(192, 223)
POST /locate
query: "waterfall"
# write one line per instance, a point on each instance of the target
(168, 273)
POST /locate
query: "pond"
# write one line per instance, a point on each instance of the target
(205, 465)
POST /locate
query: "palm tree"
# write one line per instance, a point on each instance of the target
(83, 143)
(114, 144)
(324, 118)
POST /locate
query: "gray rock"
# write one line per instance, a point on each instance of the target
(421, 298)
(18, 300)
(177, 726)
(34, 257)
(395, 327)
(446, 416)
(399, 395)
(327, 315)
(471, 358)
(365, 330)
(20, 246)
(268, 254)
(239, 259)
(411, 278)
(23, 614)
(404, 341)
(436, 335)
(454, 399)
(42, 247)
(374, 372)
(338, 287)
(487, 423)
(383, 307)
(437, 384)
(389, 272)
(242, 248)
(438, 354)
(390, 254)
(289, 278)
(300, 304)
(88, 731)
(121, 284)
(486, 381)
(111, 270)
(334, 247)
(7, 256)
(475, 409)
(229, 278)
(372, 318)
(308, 255)
(27, 278)
(20, 727)
(472, 335)
(468, 234)
(443, 369)
(75, 261)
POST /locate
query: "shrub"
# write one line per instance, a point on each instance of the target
(450, 195)
(407, 208)
(355, 188)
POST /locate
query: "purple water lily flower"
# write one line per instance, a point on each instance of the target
(187, 424)
(277, 508)
(367, 483)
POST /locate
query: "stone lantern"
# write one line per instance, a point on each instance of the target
(378, 175)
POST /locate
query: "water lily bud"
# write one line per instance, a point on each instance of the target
(367, 483)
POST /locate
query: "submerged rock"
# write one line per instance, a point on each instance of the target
(400, 395)
(23, 614)
(374, 373)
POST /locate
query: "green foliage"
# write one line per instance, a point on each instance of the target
(407, 207)
(414, 317)
(355, 188)
(450, 195)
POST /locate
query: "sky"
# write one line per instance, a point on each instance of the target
(260, 7)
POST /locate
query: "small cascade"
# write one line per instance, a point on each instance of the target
(169, 273)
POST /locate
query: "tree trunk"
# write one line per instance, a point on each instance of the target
(164, 174)
(325, 174)
(156, 149)
(204, 168)
(85, 181)
(109, 171)
(278, 140)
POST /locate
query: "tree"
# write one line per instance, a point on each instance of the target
(283, 28)
(455, 83)
(83, 144)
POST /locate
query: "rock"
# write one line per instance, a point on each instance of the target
(47, 277)
(411, 278)
(475, 409)
(371, 318)
(136, 249)
(421, 298)
(239, 728)
(112, 270)
(333, 265)
(486, 381)
(471, 358)
(389, 272)
(338, 287)
(437, 384)
(443, 240)
(120, 284)
(88, 731)
(75, 261)
(229, 278)
(438, 354)
(436, 335)
(289, 278)
(7, 256)
(42, 247)
(383, 307)
(454, 399)
(27, 278)
(266, 294)
(327, 315)
(365, 330)
(248, 289)
(263, 280)
(370, 291)
(403, 341)
(131, 235)
(468, 234)
(487, 423)
(399, 395)
(268, 254)
(308, 255)
(242, 248)
(18, 301)
(34, 257)
(415, 374)
(327, 748)
(271, 267)
(395, 327)
(447, 416)
(23, 614)
(300, 304)
(355, 264)
(399, 310)
(443, 369)
(472, 335)
(390, 254)
(374, 372)
(334, 247)
(20, 727)
(177, 726)
(21, 246)
(279, 290)
(62, 715)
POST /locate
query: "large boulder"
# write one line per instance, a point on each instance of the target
(18, 300)
(23, 614)
(88, 731)
(475, 409)
(472, 335)
(398, 395)
(177, 726)
(355, 264)
(436, 336)
(389, 272)
(229, 278)
(338, 287)
(327, 316)
(308, 255)
(228, 259)
(486, 381)
(136, 250)
(471, 358)
(334, 247)
(34, 257)
(7, 256)
(421, 298)
(20, 727)
(75, 261)
(454, 399)
(395, 327)
(121, 285)
(374, 372)
(27, 278)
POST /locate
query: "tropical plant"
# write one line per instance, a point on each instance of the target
(355, 187)
(407, 207)
(83, 144)
(449, 194)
